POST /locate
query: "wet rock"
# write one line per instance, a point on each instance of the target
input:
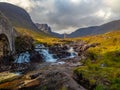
(36, 57)
(61, 51)
(33, 76)
(55, 80)
(76, 64)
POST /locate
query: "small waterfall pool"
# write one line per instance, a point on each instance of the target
(44, 51)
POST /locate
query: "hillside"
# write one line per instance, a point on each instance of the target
(107, 40)
(111, 26)
(18, 16)
(102, 66)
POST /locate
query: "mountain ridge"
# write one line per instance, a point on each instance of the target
(92, 30)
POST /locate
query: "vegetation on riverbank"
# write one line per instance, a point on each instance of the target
(102, 66)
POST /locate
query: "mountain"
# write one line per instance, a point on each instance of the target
(111, 26)
(43, 27)
(18, 16)
(83, 32)
(47, 29)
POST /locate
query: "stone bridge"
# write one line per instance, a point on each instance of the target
(7, 35)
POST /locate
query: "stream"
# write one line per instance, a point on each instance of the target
(53, 69)
(45, 53)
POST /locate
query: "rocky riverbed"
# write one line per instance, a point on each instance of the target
(47, 76)
(53, 69)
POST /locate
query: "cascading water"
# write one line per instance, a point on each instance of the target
(72, 53)
(45, 52)
(22, 58)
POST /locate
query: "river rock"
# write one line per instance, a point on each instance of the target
(36, 57)
(33, 76)
(61, 51)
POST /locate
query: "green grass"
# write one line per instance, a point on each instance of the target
(105, 71)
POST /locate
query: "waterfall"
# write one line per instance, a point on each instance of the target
(45, 52)
(22, 58)
(72, 52)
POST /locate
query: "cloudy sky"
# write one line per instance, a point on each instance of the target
(69, 15)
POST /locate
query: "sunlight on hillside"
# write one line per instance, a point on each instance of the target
(39, 37)
(105, 70)
(108, 42)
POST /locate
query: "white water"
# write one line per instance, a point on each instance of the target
(72, 53)
(47, 56)
(58, 63)
(23, 58)
(45, 52)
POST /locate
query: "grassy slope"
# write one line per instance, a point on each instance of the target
(39, 37)
(106, 54)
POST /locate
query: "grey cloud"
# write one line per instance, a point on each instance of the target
(67, 7)
(114, 5)
(69, 15)
(64, 15)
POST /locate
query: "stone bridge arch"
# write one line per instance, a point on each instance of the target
(7, 34)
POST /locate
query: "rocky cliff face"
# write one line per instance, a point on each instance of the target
(47, 29)
(44, 27)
